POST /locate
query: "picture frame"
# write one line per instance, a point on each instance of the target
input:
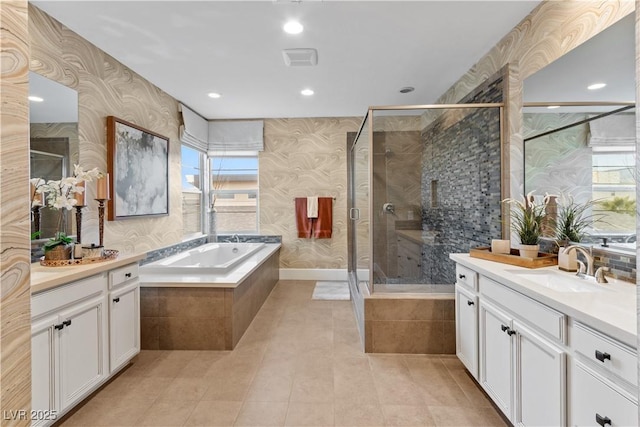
(138, 165)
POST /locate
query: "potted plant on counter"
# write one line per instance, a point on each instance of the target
(526, 221)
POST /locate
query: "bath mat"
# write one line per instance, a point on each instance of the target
(331, 291)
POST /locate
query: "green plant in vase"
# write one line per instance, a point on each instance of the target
(527, 218)
(573, 220)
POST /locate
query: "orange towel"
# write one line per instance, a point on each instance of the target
(323, 225)
(303, 223)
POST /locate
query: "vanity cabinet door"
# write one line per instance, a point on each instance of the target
(43, 342)
(467, 329)
(81, 350)
(540, 380)
(124, 329)
(496, 356)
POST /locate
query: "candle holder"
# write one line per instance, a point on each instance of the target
(101, 219)
(79, 223)
(35, 212)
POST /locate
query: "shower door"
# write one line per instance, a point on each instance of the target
(359, 240)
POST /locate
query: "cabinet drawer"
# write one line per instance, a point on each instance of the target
(593, 398)
(122, 275)
(605, 352)
(52, 300)
(539, 316)
(466, 277)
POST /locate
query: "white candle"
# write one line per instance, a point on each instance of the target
(79, 196)
(103, 188)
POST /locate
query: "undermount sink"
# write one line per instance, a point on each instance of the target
(560, 282)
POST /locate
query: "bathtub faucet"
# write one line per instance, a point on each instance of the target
(236, 238)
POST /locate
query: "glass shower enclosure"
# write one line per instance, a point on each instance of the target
(423, 182)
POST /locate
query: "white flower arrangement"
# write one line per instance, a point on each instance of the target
(60, 194)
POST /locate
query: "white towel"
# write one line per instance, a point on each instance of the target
(312, 207)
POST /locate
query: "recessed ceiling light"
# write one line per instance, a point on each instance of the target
(35, 98)
(596, 86)
(407, 89)
(293, 27)
(307, 92)
(214, 95)
(553, 107)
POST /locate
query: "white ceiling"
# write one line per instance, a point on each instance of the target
(367, 51)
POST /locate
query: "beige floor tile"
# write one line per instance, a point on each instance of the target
(403, 415)
(459, 416)
(262, 414)
(310, 414)
(186, 389)
(299, 363)
(348, 414)
(167, 413)
(214, 413)
(201, 363)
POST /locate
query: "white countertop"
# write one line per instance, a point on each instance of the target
(45, 278)
(612, 312)
(230, 280)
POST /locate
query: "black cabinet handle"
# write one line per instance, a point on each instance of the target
(59, 327)
(469, 302)
(116, 299)
(511, 332)
(127, 275)
(504, 328)
(461, 276)
(67, 322)
(602, 420)
(602, 356)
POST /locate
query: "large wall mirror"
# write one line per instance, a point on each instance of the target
(54, 145)
(579, 139)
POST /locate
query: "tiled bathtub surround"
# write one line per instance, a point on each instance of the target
(410, 324)
(167, 251)
(204, 318)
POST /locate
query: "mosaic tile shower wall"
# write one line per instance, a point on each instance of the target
(461, 182)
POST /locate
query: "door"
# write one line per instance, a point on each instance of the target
(496, 369)
(124, 332)
(467, 329)
(43, 396)
(359, 194)
(540, 380)
(81, 350)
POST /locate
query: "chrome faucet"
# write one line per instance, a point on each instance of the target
(598, 274)
(236, 238)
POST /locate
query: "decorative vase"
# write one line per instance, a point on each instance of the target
(60, 252)
(529, 251)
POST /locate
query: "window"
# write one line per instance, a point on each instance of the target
(614, 191)
(234, 192)
(192, 212)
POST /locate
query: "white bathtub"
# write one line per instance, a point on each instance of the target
(212, 258)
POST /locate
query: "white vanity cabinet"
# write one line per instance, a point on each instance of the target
(603, 380)
(124, 315)
(69, 335)
(467, 319)
(540, 365)
(82, 332)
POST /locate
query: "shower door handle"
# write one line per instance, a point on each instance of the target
(354, 214)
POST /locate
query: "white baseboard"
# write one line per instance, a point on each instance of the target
(312, 274)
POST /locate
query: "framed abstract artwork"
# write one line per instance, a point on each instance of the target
(138, 165)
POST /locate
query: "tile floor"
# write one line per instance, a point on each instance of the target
(299, 364)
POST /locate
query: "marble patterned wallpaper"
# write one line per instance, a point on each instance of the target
(15, 293)
(305, 157)
(106, 87)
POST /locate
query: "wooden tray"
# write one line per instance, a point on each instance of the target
(109, 254)
(543, 260)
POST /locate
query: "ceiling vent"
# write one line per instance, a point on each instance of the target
(300, 57)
